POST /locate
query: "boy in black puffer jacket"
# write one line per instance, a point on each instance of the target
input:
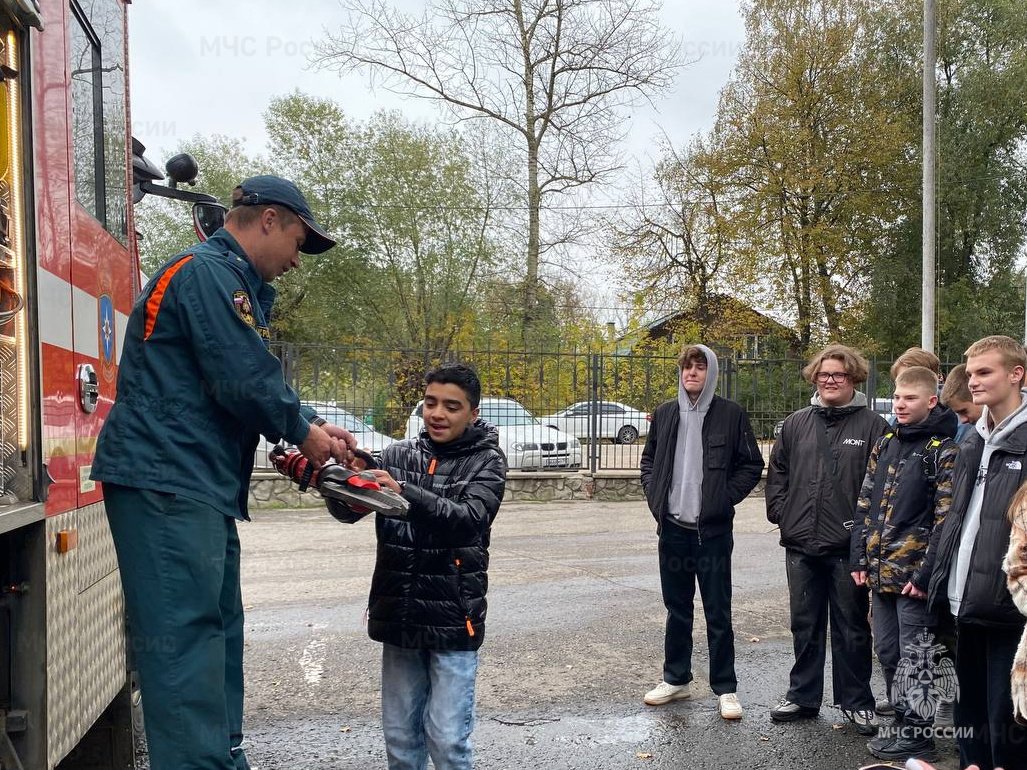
(905, 496)
(427, 603)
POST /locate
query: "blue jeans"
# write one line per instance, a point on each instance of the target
(428, 707)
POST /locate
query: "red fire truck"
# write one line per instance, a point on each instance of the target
(69, 176)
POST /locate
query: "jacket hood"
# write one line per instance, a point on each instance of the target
(479, 435)
(706, 397)
(831, 413)
(1002, 436)
(940, 421)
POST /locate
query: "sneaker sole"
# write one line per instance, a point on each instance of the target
(732, 716)
(794, 716)
(884, 711)
(669, 699)
(926, 756)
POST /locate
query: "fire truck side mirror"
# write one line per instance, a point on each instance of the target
(208, 218)
(182, 169)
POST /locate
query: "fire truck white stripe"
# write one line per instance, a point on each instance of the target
(60, 304)
(87, 311)
(121, 325)
(55, 326)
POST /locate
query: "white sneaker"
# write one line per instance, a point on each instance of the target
(730, 708)
(665, 693)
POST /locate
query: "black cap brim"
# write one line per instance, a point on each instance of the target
(318, 241)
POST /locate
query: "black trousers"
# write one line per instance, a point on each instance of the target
(984, 709)
(683, 562)
(898, 623)
(820, 587)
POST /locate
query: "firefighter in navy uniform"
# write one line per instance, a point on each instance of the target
(197, 385)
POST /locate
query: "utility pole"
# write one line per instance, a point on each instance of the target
(930, 96)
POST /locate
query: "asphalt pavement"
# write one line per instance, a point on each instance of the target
(574, 639)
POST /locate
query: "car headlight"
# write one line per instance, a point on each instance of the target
(527, 446)
(574, 443)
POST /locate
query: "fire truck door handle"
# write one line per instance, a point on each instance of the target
(88, 388)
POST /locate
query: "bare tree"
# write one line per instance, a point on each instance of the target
(674, 239)
(558, 74)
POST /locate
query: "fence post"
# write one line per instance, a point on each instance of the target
(593, 414)
(289, 365)
(729, 379)
(871, 384)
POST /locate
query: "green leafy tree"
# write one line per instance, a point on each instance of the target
(982, 188)
(806, 135)
(313, 143)
(425, 228)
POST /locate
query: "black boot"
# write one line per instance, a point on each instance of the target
(911, 739)
(887, 735)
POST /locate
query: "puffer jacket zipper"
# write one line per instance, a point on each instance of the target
(460, 596)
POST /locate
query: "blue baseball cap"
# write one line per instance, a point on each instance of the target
(267, 190)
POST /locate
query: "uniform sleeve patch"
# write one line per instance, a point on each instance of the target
(241, 301)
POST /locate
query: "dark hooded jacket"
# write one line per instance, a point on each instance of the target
(905, 496)
(986, 599)
(813, 502)
(731, 459)
(431, 573)
(197, 384)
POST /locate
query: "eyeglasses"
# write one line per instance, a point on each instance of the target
(824, 377)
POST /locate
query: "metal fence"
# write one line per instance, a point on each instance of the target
(584, 392)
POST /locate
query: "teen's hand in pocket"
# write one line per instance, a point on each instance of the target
(911, 590)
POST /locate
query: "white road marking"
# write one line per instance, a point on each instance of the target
(312, 661)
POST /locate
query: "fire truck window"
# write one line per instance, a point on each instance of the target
(98, 107)
(108, 21)
(87, 117)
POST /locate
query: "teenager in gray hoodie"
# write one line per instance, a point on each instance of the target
(700, 460)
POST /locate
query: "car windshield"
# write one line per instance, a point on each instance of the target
(344, 420)
(506, 413)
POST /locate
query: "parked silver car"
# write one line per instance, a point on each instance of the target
(527, 443)
(620, 422)
(367, 437)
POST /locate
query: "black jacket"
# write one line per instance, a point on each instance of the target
(733, 463)
(986, 599)
(816, 506)
(431, 573)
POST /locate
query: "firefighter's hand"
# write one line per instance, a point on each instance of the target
(317, 446)
(911, 590)
(343, 442)
(385, 479)
(859, 577)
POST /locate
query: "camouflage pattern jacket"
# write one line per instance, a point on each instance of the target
(905, 495)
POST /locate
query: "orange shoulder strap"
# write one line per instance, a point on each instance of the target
(157, 295)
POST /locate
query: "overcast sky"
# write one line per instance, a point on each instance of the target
(203, 67)
(199, 67)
